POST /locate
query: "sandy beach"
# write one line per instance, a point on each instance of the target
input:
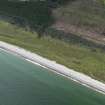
(58, 68)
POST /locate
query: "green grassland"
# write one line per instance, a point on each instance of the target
(74, 56)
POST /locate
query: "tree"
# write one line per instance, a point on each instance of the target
(36, 13)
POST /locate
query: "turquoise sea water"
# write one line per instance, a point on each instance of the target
(23, 83)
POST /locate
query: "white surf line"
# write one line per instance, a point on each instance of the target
(58, 68)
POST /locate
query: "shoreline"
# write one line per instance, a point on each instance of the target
(53, 66)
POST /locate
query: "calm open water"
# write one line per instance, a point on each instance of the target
(23, 83)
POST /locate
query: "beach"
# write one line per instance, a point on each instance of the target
(55, 67)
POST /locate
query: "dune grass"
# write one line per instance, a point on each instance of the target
(74, 56)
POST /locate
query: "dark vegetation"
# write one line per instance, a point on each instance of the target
(35, 14)
(74, 39)
(39, 12)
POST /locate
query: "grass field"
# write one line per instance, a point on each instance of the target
(73, 56)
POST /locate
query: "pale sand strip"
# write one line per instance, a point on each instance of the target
(58, 68)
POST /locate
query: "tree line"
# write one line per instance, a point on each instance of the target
(37, 13)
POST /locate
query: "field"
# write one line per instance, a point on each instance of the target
(23, 83)
(79, 58)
